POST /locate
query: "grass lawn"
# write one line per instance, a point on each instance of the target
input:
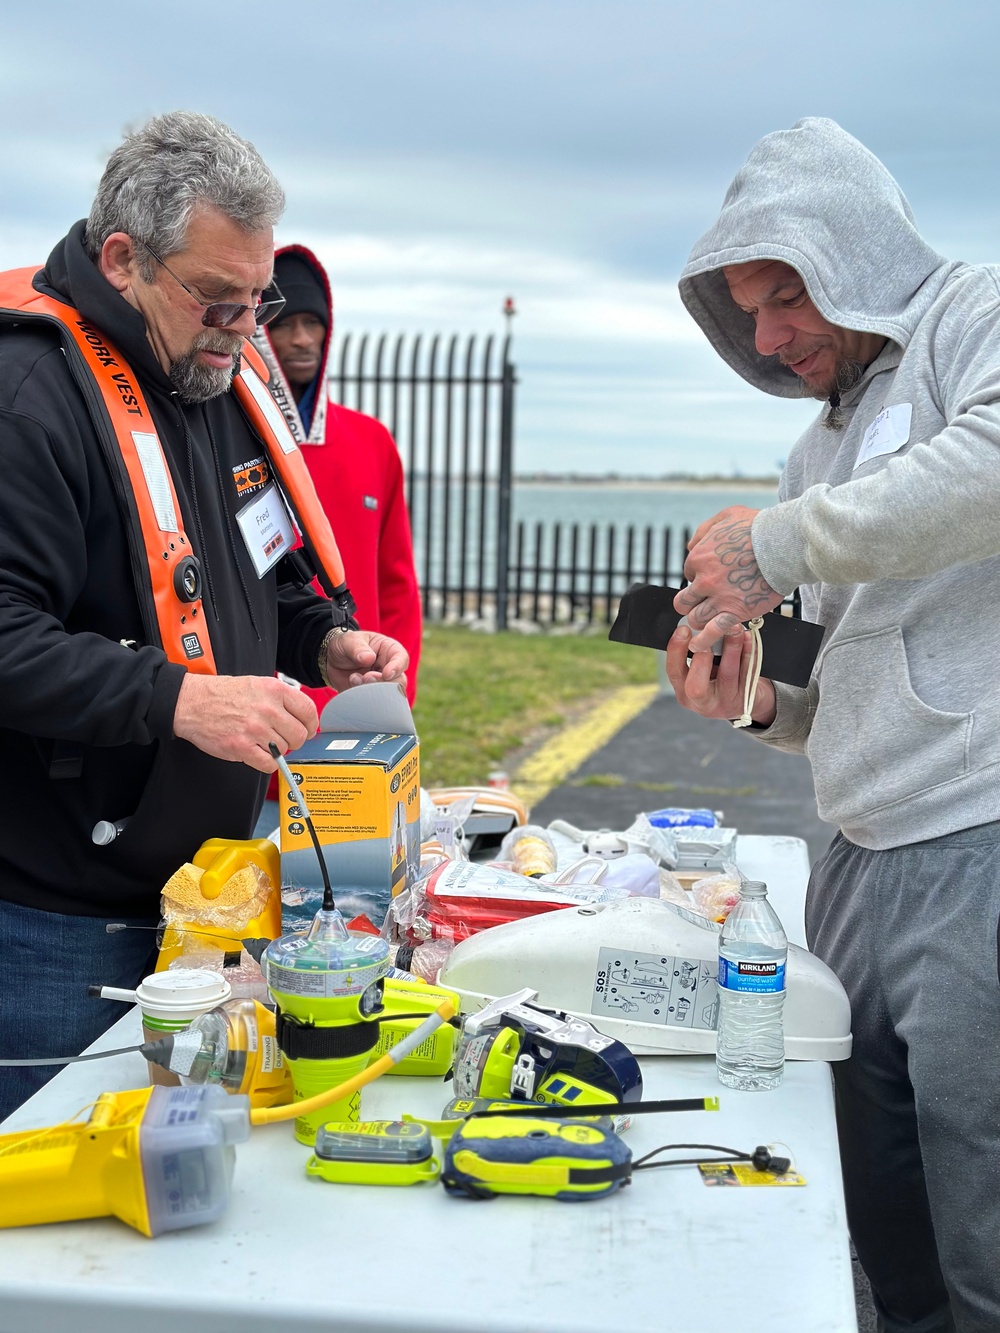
(483, 696)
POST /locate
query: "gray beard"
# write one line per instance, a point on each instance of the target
(848, 374)
(193, 381)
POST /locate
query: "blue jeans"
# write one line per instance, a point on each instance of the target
(47, 962)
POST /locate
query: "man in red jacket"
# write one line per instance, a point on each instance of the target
(352, 459)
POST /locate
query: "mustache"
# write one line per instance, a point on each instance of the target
(218, 340)
(789, 356)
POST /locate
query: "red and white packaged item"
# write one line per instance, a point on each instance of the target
(463, 898)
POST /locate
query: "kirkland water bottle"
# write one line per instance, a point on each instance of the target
(750, 1052)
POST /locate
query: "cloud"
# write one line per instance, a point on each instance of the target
(393, 283)
(443, 155)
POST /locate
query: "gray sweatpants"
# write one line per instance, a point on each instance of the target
(912, 932)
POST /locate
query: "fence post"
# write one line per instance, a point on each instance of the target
(504, 487)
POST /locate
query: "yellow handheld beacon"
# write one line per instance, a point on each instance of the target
(560, 1159)
(159, 1159)
(374, 1152)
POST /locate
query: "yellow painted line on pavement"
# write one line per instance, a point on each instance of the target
(563, 755)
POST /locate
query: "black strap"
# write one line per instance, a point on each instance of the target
(604, 1175)
(304, 1041)
(300, 566)
(585, 1110)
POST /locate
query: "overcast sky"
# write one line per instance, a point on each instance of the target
(441, 156)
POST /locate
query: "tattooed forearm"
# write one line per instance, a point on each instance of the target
(734, 551)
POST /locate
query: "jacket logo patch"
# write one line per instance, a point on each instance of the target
(252, 476)
(192, 646)
(371, 502)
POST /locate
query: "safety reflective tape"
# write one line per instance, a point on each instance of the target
(271, 411)
(154, 469)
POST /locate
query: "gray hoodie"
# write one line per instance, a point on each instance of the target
(890, 526)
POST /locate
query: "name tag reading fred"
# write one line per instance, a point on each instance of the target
(267, 529)
(888, 432)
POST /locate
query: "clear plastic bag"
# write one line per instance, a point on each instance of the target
(636, 872)
(530, 851)
(673, 891)
(716, 895)
(428, 959)
(243, 896)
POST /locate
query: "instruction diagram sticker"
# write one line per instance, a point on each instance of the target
(656, 988)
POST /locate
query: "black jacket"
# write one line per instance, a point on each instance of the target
(85, 722)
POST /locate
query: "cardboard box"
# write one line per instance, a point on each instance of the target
(361, 779)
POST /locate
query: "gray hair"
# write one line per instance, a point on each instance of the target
(156, 177)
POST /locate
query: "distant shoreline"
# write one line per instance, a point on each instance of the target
(655, 483)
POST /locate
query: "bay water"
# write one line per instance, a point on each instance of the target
(471, 521)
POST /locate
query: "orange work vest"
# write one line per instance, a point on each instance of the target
(167, 574)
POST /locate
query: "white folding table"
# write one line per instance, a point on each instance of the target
(295, 1255)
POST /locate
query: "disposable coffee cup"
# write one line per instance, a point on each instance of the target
(170, 1001)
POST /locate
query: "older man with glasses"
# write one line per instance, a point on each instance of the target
(100, 723)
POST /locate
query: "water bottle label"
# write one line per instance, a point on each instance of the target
(755, 978)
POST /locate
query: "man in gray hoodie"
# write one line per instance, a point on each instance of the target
(815, 282)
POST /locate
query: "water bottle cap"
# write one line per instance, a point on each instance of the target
(753, 888)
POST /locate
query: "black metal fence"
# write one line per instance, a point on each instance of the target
(565, 573)
(562, 573)
(449, 404)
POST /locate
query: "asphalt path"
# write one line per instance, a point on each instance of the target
(668, 756)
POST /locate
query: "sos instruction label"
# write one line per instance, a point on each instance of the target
(656, 988)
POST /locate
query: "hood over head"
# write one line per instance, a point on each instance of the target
(303, 285)
(72, 275)
(307, 291)
(815, 198)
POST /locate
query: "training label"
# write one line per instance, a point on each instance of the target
(656, 988)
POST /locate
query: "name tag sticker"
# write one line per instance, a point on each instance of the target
(267, 529)
(888, 432)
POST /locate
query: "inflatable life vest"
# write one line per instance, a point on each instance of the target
(167, 572)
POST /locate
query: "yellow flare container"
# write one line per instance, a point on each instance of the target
(220, 859)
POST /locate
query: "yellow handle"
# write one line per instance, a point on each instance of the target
(510, 1173)
(221, 858)
(271, 1114)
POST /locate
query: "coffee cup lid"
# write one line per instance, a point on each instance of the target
(183, 988)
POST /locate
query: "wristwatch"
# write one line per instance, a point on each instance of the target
(324, 647)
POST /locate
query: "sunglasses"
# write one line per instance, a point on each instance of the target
(221, 314)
